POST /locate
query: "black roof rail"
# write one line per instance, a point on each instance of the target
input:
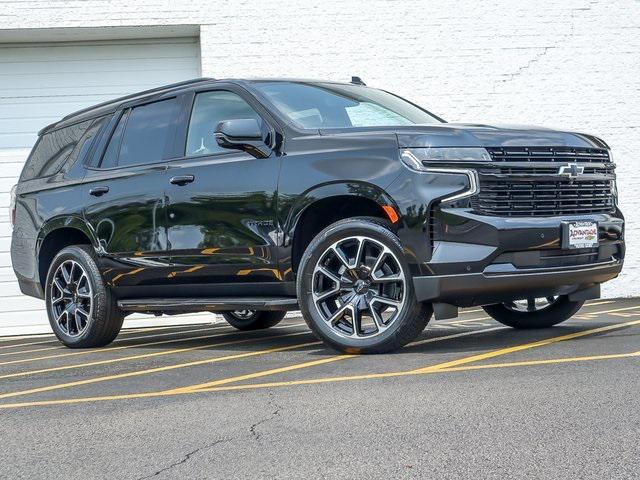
(137, 94)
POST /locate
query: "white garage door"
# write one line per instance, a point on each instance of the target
(40, 83)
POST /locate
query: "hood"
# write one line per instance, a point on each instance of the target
(478, 135)
(474, 135)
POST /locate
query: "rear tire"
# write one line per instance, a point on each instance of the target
(253, 319)
(355, 289)
(557, 312)
(82, 311)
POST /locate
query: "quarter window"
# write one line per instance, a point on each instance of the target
(52, 151)
(209, 109)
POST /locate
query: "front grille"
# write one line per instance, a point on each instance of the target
(549, 154)
(527, 182)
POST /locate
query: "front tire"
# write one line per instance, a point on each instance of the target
(253, 319)
(534, 312)
(355, 290)
(81, 309)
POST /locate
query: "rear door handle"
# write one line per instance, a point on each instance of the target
(182, 179)
(98, 191)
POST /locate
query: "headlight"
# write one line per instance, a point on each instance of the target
(426, 160)
(415, 157)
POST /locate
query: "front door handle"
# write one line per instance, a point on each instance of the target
(182, 179)
(98, 191)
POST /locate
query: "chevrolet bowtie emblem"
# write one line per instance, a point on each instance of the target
(571, 170)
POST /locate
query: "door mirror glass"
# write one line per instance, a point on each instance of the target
(243, 134)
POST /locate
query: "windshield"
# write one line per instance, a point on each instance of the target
(331, 105)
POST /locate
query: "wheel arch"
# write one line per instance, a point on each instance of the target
(322, 205)
(56, 234)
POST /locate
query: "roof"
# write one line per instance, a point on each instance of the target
(112, 105)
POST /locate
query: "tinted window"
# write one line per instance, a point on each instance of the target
(84, 144)
(332, 105)
(52, 150)
(110, 158)
(141, 135)
(147, 131)
(209, 109)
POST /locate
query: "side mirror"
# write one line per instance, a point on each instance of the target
(243, 134)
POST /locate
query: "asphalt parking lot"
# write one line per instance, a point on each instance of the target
(469, 398)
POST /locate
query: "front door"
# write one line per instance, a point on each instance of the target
(126, 204)
(221, 228)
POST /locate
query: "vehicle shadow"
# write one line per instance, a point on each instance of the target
(431, 342)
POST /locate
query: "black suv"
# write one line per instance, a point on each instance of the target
(363, 210)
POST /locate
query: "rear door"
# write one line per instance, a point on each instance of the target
(125, 194)
(221, 226)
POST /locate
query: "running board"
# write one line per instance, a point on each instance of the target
(214, 304)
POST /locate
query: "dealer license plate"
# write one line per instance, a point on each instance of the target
(580, 235)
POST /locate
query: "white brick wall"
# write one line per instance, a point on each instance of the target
(561, 63)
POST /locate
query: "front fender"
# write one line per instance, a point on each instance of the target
(333, 189)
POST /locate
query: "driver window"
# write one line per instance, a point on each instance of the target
(209, 109)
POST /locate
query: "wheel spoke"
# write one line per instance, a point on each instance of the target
(59, 320)
(58, 285)
(66, 275)
(377, 319)
(75, 322)
(72, 270)
(326, 294)
(356, 261)
(329, 274)
(378, 262)
(341, 257)
(79, 321)
(338, 314)
(356, 320)
(386, 301)
(389, 278)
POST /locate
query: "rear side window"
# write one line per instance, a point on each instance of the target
(53, 150)
(209, 109)
(110, 158)
(142, 134)
(84, 144)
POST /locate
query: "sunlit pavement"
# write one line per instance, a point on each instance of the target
(469, 398)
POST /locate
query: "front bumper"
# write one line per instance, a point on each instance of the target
(495, 286)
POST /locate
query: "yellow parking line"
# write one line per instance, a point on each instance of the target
(148, 371)
(549, 361)
(76, 353)
(189, 388)
(603, 302)
(115, 347)
(455, 322)
(454, 335)
(315, 381)
(528, 346)
(264, 373)
(322, 361)
(122, 333)
(441, 367)
(148, 355)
